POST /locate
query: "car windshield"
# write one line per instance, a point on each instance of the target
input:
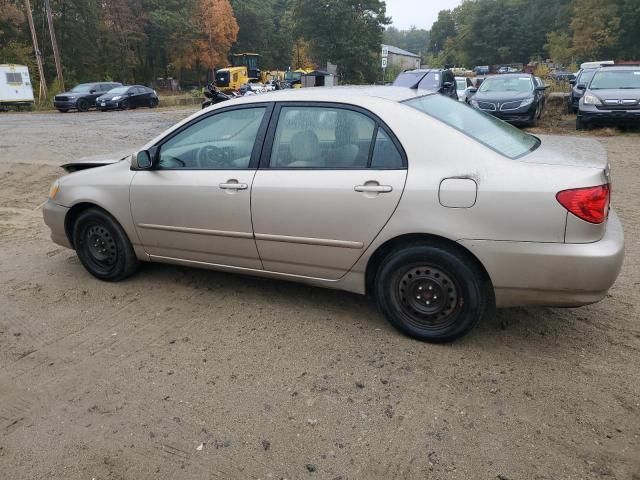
(408, 79)
(609, 79)
(585, 77)
(119, 90)
(507, 84)
(486, 129)
(82, 88)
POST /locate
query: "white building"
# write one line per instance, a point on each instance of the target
(401, 58)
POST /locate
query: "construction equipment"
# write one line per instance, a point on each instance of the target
(294, 77)
(231, 78)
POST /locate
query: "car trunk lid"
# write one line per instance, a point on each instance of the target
(569, 151)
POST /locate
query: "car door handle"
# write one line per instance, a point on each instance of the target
(373, 188)
(233, 186)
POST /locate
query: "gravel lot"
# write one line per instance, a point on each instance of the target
(189, 374)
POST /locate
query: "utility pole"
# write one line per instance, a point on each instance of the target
(36, 50)
(54, 44)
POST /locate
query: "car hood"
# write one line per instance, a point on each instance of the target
(502, 96)
(617, 94)
(109, 96)
(571, 151)
(96, 161)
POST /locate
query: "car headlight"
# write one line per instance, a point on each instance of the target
(527, 101)
(117, 97)
(474, 103)
(53, 191)
(72, 97)
(590, 99)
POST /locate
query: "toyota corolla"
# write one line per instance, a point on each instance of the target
(437, 210)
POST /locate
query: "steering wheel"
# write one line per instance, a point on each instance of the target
(211, 156)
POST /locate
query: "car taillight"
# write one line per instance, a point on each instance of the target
(590, 204)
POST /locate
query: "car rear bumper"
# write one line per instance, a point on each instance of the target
(552, 274)
(54, 216)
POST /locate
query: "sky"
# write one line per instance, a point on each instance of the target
(421, 13)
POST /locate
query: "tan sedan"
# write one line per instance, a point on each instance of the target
(437, 210)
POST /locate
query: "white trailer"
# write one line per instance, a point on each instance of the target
(15, 85)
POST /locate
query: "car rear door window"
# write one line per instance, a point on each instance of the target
(322, 137)
(385, 153)
(223, 141)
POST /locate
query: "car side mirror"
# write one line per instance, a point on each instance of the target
(541, 88)
(582, 86)
(473, 90)
(447, 85)
(93, 90)
(144, 159)
(572, 81)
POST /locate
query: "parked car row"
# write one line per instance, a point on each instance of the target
(517, 98)
(105, 96)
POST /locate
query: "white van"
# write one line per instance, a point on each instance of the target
(15, 85)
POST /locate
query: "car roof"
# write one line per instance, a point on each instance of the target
(614, 68)
(507, 75)
(328, 94)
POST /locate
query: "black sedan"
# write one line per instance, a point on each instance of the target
(516, 98)
(130, 96)
(83, 96)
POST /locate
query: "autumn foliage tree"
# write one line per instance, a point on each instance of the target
(217, 32)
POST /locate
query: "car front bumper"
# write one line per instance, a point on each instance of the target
(106, 105)
(64, 104)
(590, 113)
(552, 274)
(54, 217)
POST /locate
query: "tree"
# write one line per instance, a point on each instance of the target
(595, 27)
(217, 32)
(443, 29)
(345, 32)
(558, 47)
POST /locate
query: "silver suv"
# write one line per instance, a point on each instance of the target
(612, 96)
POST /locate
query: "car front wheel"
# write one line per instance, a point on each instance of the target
(102, 246)
(432, 294)
(82, 105)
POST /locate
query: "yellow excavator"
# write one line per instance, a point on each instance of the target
(244, 69)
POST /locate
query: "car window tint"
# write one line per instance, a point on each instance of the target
(385, 153)
(431, 81)
(496, 134)
(223, 141)
(318, 137)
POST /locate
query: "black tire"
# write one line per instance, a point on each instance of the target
(82, 105)
(63, 110)
(153, 103)
(581, 124)
(124, 105)
(412, 277)
(102, 246)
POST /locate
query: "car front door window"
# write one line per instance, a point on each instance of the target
(222, 141)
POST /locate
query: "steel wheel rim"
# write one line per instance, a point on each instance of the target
(429, 297)
(100, 246)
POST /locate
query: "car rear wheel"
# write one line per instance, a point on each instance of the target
(82, 105)
(431, 294)
(102, 246)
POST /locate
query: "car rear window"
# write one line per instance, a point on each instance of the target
(486, 129)
(408, 79)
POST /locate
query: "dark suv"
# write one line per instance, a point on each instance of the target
(82, 97)
(438, 80)
(612, 96)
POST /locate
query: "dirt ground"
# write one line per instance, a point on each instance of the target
(188, 374)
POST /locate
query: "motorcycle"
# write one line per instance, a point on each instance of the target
(214, 95)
